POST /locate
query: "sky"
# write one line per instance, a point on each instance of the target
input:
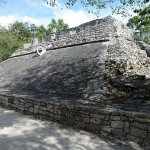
(38, 12)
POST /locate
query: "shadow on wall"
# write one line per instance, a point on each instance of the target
(19, 132)
(52, 80)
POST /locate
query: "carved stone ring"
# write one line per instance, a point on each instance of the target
(40, 50)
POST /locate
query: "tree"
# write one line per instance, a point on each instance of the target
(8, 43)
(52, 28)
(33, 30)
(21, 31)
(94, 6)
(141, 22)
(56, 25)
(41, 31)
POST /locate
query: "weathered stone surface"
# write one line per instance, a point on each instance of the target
(136, 139)
(139, 125)
(62, 74)
(86, 120)
(115, 118)
(144, 46)
(117, 124)
(106, 128)
(147, 140)
(126, 127)
(138, 132)
(80, 124)
(95, 121)
(92, 127)
(117, 132)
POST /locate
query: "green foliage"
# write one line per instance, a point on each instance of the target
(56, 25)
(8, 43)
(146, 39)
(95, 6)
(142, 23)
(23, 31)
(41, 31)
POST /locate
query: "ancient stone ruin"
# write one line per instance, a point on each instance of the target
(93, 76)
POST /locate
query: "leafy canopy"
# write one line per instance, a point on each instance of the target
(142, 20)
(8, 43)
(141, 23)
(95, 6)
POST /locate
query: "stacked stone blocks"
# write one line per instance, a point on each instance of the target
(119, 123)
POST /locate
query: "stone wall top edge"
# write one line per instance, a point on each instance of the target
(92, 109)
(25, 52)
(89, 24)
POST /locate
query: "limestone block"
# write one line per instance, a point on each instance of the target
(95, 121)
(92, 127)
(139, 125)
(86, 120)
(106, 128)
(117, 124)
(115, 117)
(80, 124)
(117, 132)
(126, 127)
(147, 140)
(138, 132)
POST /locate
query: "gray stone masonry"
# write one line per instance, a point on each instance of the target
(112, 122)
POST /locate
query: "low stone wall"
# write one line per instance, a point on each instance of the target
(123, 124)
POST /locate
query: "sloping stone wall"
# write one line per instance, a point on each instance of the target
(65, 74)
(128, 125)
(121, 60)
